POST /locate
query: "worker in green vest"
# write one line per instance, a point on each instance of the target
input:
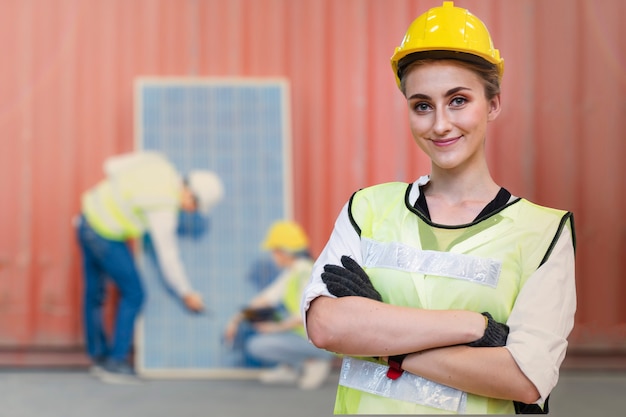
(280, 341)
(446, 295)
(141, 193)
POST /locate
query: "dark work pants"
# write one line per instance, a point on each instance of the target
(102, 259)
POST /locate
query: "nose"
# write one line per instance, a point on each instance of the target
(442, 123)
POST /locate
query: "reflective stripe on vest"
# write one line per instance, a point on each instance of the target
(407, 387)
(115, 207)
(395, 255)
(110, 215)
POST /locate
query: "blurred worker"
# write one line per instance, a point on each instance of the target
(280, 339)
(142, 193)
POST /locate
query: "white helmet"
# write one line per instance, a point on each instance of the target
(206, 187)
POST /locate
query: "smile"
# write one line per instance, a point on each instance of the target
(446, 142)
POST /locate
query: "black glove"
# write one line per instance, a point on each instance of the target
(495, 334)
(255, 315)
(349, 280)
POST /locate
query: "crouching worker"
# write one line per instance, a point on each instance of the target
(275, 315)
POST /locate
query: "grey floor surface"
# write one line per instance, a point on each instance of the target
(74, 393)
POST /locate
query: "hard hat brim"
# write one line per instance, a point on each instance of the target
(405, 61)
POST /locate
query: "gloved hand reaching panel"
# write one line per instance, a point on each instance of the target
(349, 280)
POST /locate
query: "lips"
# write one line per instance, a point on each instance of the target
(446, 142)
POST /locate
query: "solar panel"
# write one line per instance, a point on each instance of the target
(240, 129)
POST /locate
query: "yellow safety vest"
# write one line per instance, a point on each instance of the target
(412, 262)
(115, 208)
(300, 276)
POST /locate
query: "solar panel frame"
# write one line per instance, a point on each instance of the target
(239, 128)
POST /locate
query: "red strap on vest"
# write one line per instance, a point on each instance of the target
(395, 366)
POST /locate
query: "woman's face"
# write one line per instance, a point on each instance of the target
(448, 113)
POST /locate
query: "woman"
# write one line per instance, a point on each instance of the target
(420, 284)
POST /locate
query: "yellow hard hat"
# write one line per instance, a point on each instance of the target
(286, 235)
(446, 32)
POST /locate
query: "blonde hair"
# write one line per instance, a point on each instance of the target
(488, 73)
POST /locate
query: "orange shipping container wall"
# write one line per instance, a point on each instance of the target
(66, 103)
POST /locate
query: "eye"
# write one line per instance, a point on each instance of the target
(458, 101)
(421, 107)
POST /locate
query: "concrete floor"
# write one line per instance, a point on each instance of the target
(74, 393)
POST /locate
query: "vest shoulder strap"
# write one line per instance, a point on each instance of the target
(365, 203)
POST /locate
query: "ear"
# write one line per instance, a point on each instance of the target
(494, 108)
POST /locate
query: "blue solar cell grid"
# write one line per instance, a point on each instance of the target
(240, 130)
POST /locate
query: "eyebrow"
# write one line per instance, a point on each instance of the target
(448, 93)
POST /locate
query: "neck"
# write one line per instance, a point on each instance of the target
(477, 185)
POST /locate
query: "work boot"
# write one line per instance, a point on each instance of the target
(97, 366)
(282, 374)
(118, 372)
(314, 373)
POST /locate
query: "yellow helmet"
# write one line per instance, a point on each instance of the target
(286, 235)
(446, 32)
